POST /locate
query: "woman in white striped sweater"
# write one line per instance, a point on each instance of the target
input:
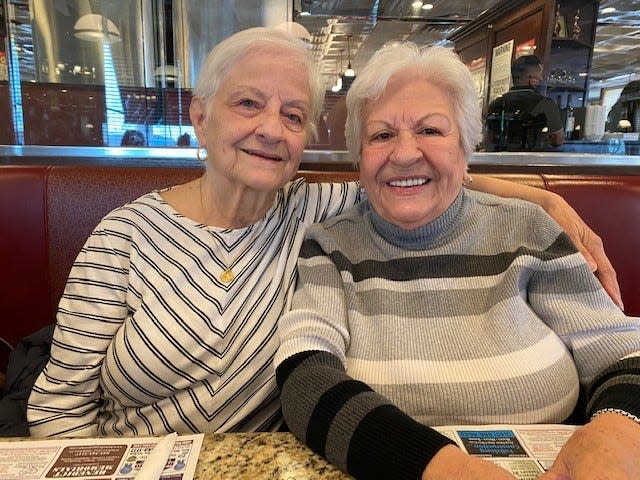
(168, 319)
(428, 304)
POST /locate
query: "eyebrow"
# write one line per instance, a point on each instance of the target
(418, 122)
(294, 102)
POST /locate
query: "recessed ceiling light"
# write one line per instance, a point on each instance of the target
(582, 74)
(417, 4)
(427, 6)
(608, 10)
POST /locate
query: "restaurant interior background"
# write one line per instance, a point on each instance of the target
(83, 73)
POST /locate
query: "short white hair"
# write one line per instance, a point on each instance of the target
(227, 53)
(437, 65)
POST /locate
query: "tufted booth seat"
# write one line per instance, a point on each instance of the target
(47, 212)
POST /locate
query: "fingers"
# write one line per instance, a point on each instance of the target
(593, 250)
(609, 281)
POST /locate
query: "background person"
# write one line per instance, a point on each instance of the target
(168, 319)
(184, 140)
(132, 138)
(428, 304)
(624, 115)
(516, 120)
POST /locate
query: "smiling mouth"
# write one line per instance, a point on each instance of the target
(267, 156)
(409, 182)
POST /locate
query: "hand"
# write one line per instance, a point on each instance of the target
(587, 242)
(451, 463)
(607, 448)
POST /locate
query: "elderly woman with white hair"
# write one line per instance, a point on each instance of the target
(429, 304)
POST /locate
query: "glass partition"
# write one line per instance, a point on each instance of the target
(111, 73)
(107, 73)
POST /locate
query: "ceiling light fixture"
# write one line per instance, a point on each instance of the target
(427, 6)
(349, 72)
(96, 28)
(417, 4)
(338, 86)
(608, 10)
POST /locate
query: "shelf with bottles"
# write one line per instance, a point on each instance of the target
(567, 79)
(574, 19)
(562, 97)
(565, 88)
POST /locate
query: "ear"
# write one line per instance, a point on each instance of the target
(198, 115)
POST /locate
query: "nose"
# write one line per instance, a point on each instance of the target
(270, 127)
(406, 149)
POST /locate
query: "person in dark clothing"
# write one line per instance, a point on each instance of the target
(627, 107)
(26, 362)
(521, 119)
(132, 138)
(184, 140)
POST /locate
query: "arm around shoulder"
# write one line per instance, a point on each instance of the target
(585, 239)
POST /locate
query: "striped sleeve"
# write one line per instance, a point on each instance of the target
(617, 387)
(605, 343)
(340, 418)
(345, 421)
(321, 201)
(65, 397)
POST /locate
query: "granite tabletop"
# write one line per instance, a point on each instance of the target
(248, 456)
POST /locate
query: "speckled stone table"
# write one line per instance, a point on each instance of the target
(249, 456)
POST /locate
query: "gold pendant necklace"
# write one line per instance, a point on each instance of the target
(227, 276)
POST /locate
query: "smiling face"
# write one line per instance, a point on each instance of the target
(412, 164)
(254, 126)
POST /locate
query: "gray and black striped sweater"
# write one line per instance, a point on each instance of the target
(486, 315)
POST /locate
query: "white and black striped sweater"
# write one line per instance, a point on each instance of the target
(486, 315)
(149, 340)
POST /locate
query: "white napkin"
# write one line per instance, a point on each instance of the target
(594, 122)
(154, 464)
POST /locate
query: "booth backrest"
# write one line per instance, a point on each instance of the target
(47, 213)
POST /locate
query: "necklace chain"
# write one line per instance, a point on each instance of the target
(227, 275)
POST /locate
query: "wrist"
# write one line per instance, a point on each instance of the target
(444, 463)
(618, 411)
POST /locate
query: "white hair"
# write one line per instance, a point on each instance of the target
(438, 65)
(227, 53)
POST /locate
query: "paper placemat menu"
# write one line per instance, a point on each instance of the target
(94, 458)
(527, 451)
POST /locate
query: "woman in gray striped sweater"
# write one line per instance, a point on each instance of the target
(168, 319)
(428, 304)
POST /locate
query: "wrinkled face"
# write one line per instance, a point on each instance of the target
(254, 126)
(412, 164)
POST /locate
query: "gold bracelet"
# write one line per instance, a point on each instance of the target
(618, 411)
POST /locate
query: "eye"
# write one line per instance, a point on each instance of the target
(294, 118)
(381, 136)
(428, 131)
(248, 103)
